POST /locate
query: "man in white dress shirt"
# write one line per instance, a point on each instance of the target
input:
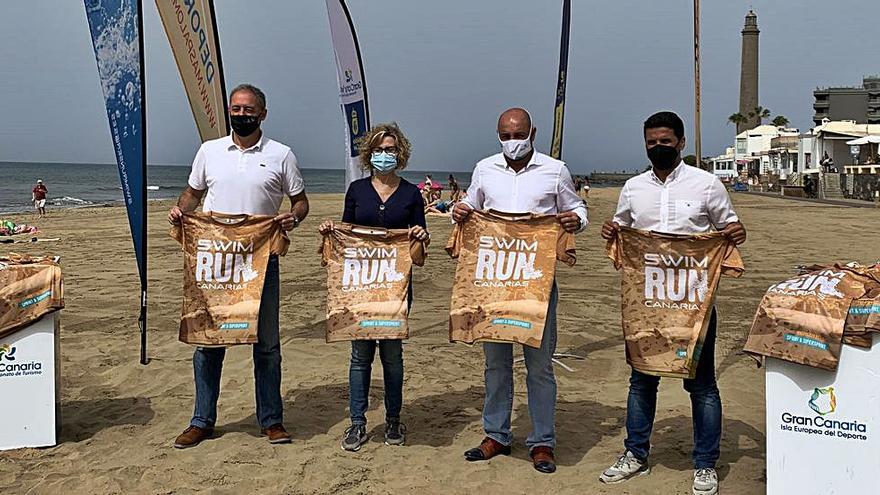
(674, 198)
(521, 180)
(244, 173)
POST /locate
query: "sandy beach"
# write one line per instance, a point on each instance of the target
(119, 418)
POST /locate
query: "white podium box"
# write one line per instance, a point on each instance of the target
(823, 428)
(29, 378)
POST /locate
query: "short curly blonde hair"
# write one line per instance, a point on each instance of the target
(374, 137)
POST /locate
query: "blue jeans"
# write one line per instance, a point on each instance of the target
(208, 364)
(540, 381)
(705, 408)
(362, 354)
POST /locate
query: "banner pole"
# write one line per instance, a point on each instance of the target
(352, 83)
(225, 115)
(559, 107)
(697, 105)
(143, 272)
(360, 61)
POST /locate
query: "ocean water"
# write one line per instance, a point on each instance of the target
(73, 185)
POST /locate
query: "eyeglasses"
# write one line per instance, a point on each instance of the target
(391, 150)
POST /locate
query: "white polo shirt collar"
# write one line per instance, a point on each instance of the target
(230, 144)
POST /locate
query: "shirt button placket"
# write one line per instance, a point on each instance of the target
(515, 192)
(664, 208)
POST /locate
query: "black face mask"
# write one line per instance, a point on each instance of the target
(663, 157)
(244, 125)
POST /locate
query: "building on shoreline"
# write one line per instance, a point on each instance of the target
(758, 155)
(860, 104)
(831, 137)
(724, 166)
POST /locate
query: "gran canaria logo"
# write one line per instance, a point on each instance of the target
(9, 367)
(823, 400)
(7, 352)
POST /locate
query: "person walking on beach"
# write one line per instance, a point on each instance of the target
(454, 189)
(244, 173)
(691, 201)
(383, 200)
(38, 196)
(521, 180)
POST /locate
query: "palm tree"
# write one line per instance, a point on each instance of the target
(780, 121)
(760, 113)
(737, 119)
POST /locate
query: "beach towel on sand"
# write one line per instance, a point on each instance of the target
(225, 260)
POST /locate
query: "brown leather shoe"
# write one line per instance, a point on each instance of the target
(192, 436)
(276, 433)
(543, 459)
(488, 449)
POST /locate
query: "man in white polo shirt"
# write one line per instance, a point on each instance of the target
(521, 180)
(674, 198)
(244, 173)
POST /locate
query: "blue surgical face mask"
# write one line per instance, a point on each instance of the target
(383, 163)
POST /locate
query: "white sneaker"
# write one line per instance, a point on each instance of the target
(626, 467)
(705, 482)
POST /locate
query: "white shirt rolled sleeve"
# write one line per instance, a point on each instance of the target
(623, 216)
(567, 198)
(718, 205)
(474, 195)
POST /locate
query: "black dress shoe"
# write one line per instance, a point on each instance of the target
(488, 449)
(543, 459)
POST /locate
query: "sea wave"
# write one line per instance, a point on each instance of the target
(69, 201)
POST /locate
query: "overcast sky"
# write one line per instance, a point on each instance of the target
(443, 70)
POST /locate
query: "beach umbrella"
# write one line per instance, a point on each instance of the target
(872, 139)
(434, 185)
(869, 140)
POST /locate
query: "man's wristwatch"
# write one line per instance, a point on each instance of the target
(295, 221)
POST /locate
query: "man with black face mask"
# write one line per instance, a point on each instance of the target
(244, 173)
(690, 201)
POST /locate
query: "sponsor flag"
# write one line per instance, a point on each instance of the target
(559, 110)
(352, 85)
(117, 35)
(191, 28)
